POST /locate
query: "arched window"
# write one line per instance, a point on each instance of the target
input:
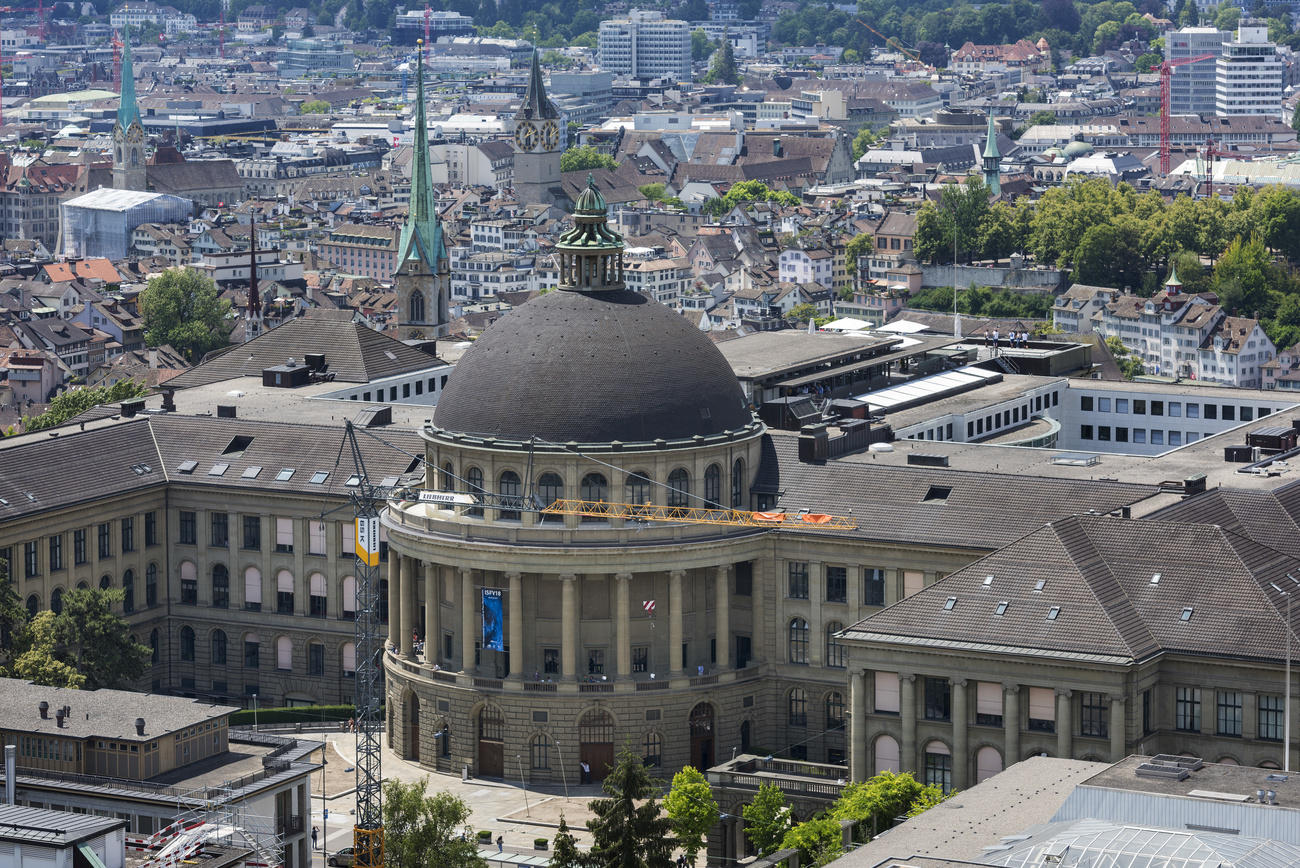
(713, 485)
(798, 640)
(349, 660)
(253, 589)
(938, 766)
(539, 751)
(128, 589)
(798, 707)
(154, 648)
(56, 600)
(679, 488)
(220, 586)
(745, 735)
(653, 749)
(284, 592)
(218, 642)
(151, 585)
(284, 654)
(836, 653)
(33, 606)
(550, 488)
(317, 600)
(448, 482)
(508, 487)
(738, 484)
(474, 485)
(105, 582)
(886, 754)
(638, 488)
(444, 741)
(187, 644)
(835, 710)
(417, 307)
(81, 586)
(988, 762)
(349, 598)
(491, 723)
(252, 651)
(594, 488)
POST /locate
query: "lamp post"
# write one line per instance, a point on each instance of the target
(956, 317)
(254, 712)
(563, 777)
(1286, 705)
(325, 815)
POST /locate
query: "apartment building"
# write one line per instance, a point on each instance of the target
(1249, 74)
(644, 45)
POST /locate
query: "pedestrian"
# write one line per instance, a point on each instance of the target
(500, 842)
(995, 339)
(1024, 340)
(988, 339)
(586, 772)
(315, 836)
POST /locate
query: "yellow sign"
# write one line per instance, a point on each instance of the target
(368, 541)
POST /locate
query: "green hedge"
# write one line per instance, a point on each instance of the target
(297, 714)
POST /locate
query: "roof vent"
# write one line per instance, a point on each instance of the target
(375, 417)
(132, 407)
(44, 709)
(139, 726)
(225, 411)
(927, 459)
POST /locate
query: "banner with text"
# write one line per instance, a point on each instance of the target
(492, 622)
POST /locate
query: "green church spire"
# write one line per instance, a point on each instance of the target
(422, 235)
(992, 159)
(128, 112)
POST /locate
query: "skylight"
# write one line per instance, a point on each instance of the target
(988, 580)
(319, 477)
(1053, 612)
(1155, 579)
(218, 470)
(1002, 608)
(285, 474)
(187, 466)
(353, 481)
(952, 601)
(937, 494)
(251, 472)
(237, 444)
(1187, 614)
(1039, 585)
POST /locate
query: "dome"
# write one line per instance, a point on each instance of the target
(1077, 149)
(592, 367)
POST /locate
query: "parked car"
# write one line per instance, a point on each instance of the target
(341, 859)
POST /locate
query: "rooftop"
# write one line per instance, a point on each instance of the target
(100, 713)
(22, 825)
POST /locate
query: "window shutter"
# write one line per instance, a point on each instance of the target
(1042, 703)
(252, 585)
(349, 538)
(938, 748)
(317, 585)
(887, 691)
(913, 581)
(188, 571)
(886, 754)
(349, 594)
(349, 657)
(988, 698)
(284, 582)
(284, 653)
(284, 531)
(317, 530)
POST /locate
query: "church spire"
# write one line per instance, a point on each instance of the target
(537, 105)
(128, 111)
(422, 235)
(992, 159)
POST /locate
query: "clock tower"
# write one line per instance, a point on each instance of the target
(128, 132)
(539, 140)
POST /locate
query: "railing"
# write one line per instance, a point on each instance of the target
(603, 687)
(540, 686)
(652, 685)
(488, 683)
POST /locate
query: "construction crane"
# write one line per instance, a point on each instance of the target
(366, 498)
(221, 34)
(428, 14)
(116, 42)
(1210, 153)
(892, 41)
(1166, 79)
(39, 9)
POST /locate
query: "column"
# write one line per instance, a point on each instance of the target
(623, 623)
(1011, 723)
(960, 751)
(406, 568)
(432, 609)
(466, 619)
(1118, 743)
(816, 633)
(516, 591)
(893, 585)
(568, 625)
(907, 708)
(675, 621)
(722, 606)
(858, 726)
(394, 597)
(1064, 724)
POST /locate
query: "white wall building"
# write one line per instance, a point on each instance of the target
(806, 266)
(1249, 74)
(645, 45)
(484, 275)
(1191, 87)
(100, 223)
(649, 271)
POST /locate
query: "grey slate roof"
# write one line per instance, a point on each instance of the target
(25, 825)
(1098, 570)
(100, 713)
(354, 353)
(1267, 517)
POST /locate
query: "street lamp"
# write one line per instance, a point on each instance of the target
(254, 712)
(1286, 705)
(563, 777)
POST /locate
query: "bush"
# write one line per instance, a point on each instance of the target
(297, 714)
(484, 835)
(540, 843)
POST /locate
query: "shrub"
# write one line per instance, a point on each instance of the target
(296, 714)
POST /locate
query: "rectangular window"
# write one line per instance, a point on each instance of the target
(798, 584)
(252, 655)
(1042, 709)
(1139, 406)
(189, 589)
(1176, 408)
(1103, 405)
(837, 584)
(873, 586)
(316, 600)
(105, 540)
(188, 530)
(988, 703)
(31, 560)
(284, 535)
(550, 660)
(596, 661)
(1271, 717)
(1121, 435)
(1121, 405)
(1229, 713)
(938, 699)
(1187, 709)
(745, 579)
(1139, 435)
(938, 769)
(1085, 403)
(1211, 411)
(56, 553)
(1157, 408)
(220, 530)
(887, 694)
(315, 659)
(1229, 413)
(913, 582)
(128, 534)
(1193, 411)
(151, 528)
(78, 547)
(1085, 432)
(1103, 432)
(641, 658)
(315, 537)
(1146, 712)
(1092, 715)
(252, 533)
(1247, 414)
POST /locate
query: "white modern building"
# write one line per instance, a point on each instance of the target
(806, 266)
(100, 223)
(169, 19)
(645, 45)
(1191, 87)
(483, 275)
(1249, 74)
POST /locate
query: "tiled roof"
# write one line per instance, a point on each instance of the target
(1132, 588)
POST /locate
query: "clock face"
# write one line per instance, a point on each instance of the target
(135, 134)
(551, 135)
(526, 136)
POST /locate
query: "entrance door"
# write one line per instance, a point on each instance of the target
(702, 736)
(491, 749)
(600, 757)
(596, 742)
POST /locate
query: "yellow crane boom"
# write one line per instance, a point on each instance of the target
(698, 515)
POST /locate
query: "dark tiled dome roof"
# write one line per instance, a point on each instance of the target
(592, 367)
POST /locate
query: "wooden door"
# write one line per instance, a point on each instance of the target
(600, 756)
(491, 759)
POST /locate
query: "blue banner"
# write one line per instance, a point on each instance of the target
(492, 621)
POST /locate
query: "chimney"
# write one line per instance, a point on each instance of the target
(139, 726)
(11, 763)
(44, 709)
(169, 400)
(778, 150)
(58, 718)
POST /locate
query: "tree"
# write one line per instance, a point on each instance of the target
(865, 140)
(767, 819)
(425, 831)
(801, 313)
(1243, 276)
(653, 192)
(723, 70)
(181, 307)
(877, 803)
(39, 662)
(13, 617)
(1130, 364)
(76, 401)
(89, 636)
(929, 796)
(1295, 118)
(629, 828)
(818, 841)
(858, 247)
(701, 45)
(1148, 61)
(581, 157)
(314, 107)
(564, 848)
(692, 809)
